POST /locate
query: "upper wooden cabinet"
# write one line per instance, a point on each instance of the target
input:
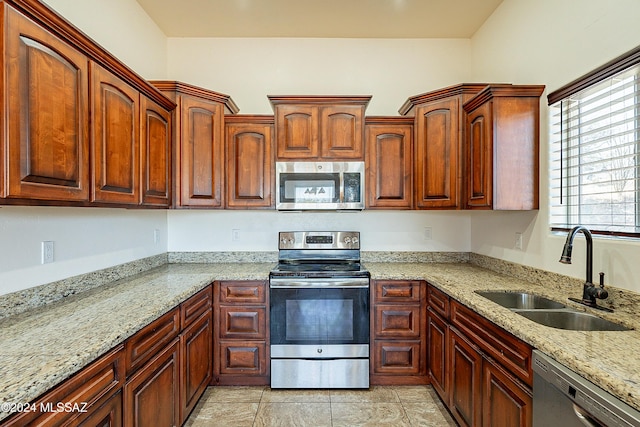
(199, 143)
(115, 141)
(249, 154)
(319, 127)
(389, 153)
(53, 151)
(439, 135)
(46, 118)
(502, 144)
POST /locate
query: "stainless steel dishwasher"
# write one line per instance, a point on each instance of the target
(563, 398)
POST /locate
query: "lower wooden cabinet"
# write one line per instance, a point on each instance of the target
(108, 414)
(480, 371)
(152, 394)
(398, 332)
(241, 343)
(197, 362)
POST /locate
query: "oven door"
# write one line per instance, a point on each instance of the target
(316, 312)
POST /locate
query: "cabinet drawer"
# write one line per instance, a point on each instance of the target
(397, 357)
(101, 378)
(151, 339)
(194, 307)
(243, 358)
(242, 322)
(242, 292)
(508, 350)
(398, 291)
(397, 321)
(438, 301)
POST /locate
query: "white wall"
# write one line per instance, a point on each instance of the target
(552, 42)
(250, 69)
(258, 231)
(88, 239)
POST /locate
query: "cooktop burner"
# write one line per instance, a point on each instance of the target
(319, 269)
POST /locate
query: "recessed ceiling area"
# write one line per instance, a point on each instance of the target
(320, 18)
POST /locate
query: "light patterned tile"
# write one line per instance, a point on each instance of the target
(419, 393)
(373, 395)
(431, 415)
(223, 414)
(368, 414)
(293, 414)
(235, 394)
(300, 396)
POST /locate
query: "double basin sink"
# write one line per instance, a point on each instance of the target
(550, 313)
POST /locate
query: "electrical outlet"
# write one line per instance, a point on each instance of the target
(518, 244)
(427, 233)
(156, 236)
(47, 252)
(235, 234)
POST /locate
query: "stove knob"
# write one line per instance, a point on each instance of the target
(347, 240)
(354, 240)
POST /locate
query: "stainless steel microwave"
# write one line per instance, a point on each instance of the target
(319, 185)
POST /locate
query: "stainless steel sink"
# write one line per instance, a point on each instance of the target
(520, 300)
(569, 319)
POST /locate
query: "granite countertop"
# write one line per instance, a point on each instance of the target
(42, 347)
(610, 359)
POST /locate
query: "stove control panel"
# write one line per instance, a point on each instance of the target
(319, 240)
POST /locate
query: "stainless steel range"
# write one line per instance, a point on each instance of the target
(319, 312)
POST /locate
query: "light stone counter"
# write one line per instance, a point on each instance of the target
(44, 346)
(609, 359)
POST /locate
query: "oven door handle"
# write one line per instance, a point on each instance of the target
(318, 283)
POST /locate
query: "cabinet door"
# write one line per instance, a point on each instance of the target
(109, 414)
(155, 144)
(398, 321)
(437, 360)
(115, 142)
(297, 132)
(243, 358)
(197, 362)
(437, 158)
(201, 157)
(479, 157)
(465, 368)
(342, 132)
(46, 127)
(506, 402)
(249, 165)
(242, 322)
(389, 159)
(152, 395)
(397, 357)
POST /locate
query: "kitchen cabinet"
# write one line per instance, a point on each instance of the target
(196, 345)
(439, 135)
(155, 153)
(319, 127)
(93, 394)
(46, 133)
(398, 331)
(73, 117)
(115, 141)
(249, 160)
(198, 144)
(481, 372)
(502, 148)
(241, 347)
(389, 162)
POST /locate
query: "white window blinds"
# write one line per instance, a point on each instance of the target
(594, 158)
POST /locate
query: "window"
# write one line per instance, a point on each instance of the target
(595, 150)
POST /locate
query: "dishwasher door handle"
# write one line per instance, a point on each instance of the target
(584, 417)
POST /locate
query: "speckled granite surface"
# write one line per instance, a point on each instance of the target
(609, 359)
(42, 347)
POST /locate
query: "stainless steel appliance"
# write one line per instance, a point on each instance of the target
(319, 185)
(319, 312)
(563, 398)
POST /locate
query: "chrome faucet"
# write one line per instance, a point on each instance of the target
(589, 291)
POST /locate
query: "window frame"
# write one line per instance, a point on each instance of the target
(611, 68)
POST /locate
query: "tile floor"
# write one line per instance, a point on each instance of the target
(379, 406)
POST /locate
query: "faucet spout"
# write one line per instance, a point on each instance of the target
(589, 291)
(568, 248)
